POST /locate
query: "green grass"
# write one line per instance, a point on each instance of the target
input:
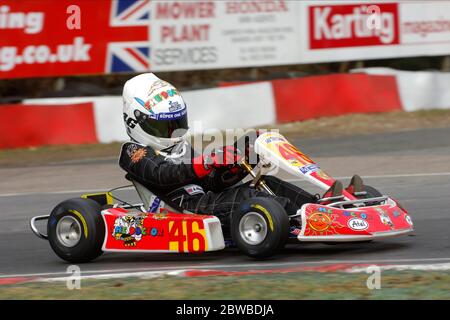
(305, 285)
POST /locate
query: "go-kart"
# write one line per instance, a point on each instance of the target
(80, 229)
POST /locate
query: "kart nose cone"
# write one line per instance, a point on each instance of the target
(325, 223)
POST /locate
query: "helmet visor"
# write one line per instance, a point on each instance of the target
(164, 125)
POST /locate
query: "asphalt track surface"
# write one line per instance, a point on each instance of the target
(412, 166)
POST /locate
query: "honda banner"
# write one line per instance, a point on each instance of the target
(77, 37)
(220, 34)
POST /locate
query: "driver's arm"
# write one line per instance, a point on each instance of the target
(145, 165)
(219, 180)
(142, 163)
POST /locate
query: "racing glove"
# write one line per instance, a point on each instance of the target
(226, 157)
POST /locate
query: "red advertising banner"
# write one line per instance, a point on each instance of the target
(42, 38)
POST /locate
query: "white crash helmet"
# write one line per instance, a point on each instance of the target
(154, 112)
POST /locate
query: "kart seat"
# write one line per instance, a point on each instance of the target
(145, 196)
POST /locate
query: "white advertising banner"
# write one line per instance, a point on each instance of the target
(136, 36)
(348, 30)
(426, 26)
(187, 35)
(193, 35)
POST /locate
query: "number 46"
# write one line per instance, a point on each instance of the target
(182, 231)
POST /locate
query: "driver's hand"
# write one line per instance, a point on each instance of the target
(227, 156)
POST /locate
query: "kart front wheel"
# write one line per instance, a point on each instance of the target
(76, 230)
(260, 227)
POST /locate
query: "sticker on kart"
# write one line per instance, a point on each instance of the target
(164, 232)
(293, 157)
(287, 151)
(320, 221)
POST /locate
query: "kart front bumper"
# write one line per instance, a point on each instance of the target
(354, 238)
(326, 223)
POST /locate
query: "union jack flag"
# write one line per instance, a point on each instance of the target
(132, 18)
(130, 13)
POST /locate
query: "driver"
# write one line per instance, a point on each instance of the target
(159, 157)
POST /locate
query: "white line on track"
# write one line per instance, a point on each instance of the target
(80, 191)
(181, 272)
(143, 275)
(236, 266)
(402, 267)
(409, 175)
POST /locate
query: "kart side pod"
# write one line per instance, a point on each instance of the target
(130, 230)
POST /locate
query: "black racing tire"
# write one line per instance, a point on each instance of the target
(80, 217)
(372, 192)
(264, 212)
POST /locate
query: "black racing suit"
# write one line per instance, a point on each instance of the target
(222, 191)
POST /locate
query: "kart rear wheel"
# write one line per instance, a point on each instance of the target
(76, 230)
(260, 227)
(371, 192)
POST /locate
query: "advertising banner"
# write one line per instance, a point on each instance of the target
(64, 37)
(82, 37)
(189, 35)
(349, 30)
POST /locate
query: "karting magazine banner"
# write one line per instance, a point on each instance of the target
(78, 37)
(349, 30)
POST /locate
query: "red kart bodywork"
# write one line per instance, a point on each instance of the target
(327, 223)
(131, 230)
(334, 221)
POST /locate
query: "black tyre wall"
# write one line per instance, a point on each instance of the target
(274, 215)
(88, 214)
